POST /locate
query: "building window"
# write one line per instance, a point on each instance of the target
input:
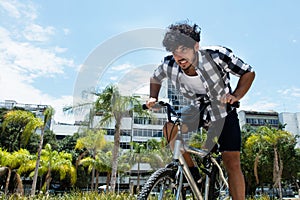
(262, 122)
(146, 121)
(147, 133)
(124, 145)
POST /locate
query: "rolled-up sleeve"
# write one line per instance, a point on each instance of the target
(160, 72)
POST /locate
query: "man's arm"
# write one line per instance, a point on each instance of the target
(242, 88)
(154, 88)
(154, 91)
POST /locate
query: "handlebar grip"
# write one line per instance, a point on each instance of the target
(144, 107)
(235, 104)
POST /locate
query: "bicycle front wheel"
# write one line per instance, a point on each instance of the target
(161, 185)
(218, 186)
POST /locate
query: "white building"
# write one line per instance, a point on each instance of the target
(274, 119)
(256, 118)
(292, 121)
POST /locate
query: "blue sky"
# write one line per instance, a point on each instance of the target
(44, 45)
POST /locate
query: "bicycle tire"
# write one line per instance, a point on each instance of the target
(218, 190)
(161, 185)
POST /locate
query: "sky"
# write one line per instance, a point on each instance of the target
(51, 50)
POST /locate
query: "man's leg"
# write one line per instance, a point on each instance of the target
(170, 133)
(231, 160)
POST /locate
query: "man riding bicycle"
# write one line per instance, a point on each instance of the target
(202, 75)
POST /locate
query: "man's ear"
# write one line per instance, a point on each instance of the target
(196, 47)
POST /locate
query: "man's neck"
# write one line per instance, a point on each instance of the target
(191, 70)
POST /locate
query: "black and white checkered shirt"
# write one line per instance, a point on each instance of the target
(215, 64)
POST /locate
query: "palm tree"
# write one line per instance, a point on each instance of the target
(24, 123)
(259, 142)
(48, 113)
(275, 138)
(53, 161)
(18, 162)
(7, 162)
(158, 153)
(93, 141)
(101, 163)
(139, 151)
(112, 105)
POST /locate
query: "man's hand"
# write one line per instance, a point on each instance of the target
(151, 102)
(229, 98)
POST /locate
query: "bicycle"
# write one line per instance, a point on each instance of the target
(167, 182)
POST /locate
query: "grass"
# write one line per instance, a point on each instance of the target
(85, 196)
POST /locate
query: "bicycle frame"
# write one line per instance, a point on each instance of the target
(183, 168)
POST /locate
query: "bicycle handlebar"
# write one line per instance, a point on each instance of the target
(170, 109)
(165, 104)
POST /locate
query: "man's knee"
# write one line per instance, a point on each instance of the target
(231, 161)
(170, 131)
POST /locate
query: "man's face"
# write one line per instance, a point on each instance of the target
(185, 56)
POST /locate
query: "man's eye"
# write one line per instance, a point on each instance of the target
(184, 49)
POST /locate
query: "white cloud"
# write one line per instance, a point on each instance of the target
(260, 106)
(66, 31)
(290, 92)
(30, 60)
(19, 10)
(13, 87)
(60, 50)
(22, 59)
(11, 8)
(34, 32)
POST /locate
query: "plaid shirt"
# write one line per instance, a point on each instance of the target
(215, 64)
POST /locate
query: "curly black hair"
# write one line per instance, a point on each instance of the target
(181, 34)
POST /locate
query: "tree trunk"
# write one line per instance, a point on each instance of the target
(79, 158)
(3, 170)
(20, 187)
(93, 171)
(115, 155)
(277, 173)
(138, 174)
(7, 180)
(97, 180)
(255, 167)
(36, 170)
(48, 180)
(108, 176)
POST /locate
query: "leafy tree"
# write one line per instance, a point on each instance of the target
(93, 141)
(50, 138)
(158, 153)
(68, 145)
(48, 113)
(58, 162)
(101, 162)
(264, 143)
(17, 163)
(112, 105)
(138, 151)
(17, 127)
(248, 156)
